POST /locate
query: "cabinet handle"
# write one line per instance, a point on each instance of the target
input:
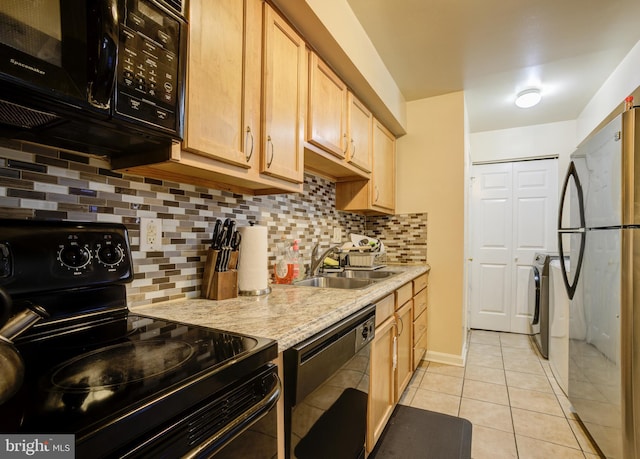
(246, 138)
(272, 153)
(395, 352)
(353, 149)
(346, 144)
(377, 193)
(401, 326)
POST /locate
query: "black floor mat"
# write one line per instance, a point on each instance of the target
(413, 433)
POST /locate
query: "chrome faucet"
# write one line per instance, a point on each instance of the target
(316, 261)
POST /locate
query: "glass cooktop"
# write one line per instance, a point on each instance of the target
(76, 381)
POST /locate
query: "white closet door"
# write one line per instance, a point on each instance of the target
(491, 210)
(535, 214)
(513, 211)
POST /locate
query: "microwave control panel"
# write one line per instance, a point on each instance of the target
(148, 78)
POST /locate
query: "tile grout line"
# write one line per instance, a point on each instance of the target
(506, 382)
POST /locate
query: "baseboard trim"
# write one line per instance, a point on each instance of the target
(448, 359)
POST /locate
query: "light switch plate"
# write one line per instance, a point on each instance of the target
(150, 234)
(337, 234)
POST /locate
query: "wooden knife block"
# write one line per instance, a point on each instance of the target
(225, 285)
(219, 285)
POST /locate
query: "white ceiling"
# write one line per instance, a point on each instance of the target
(492, 49)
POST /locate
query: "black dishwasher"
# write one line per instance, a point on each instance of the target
(326, 384)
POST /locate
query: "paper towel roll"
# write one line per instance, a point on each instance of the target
(253, 271)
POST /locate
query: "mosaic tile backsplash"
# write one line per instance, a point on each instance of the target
(42, 183)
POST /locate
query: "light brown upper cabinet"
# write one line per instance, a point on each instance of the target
(284, 99)
(327, 120)
(360, 132)
(383, 178)
(244, 64)
(223, 99)
(332, 114)
(377, 195)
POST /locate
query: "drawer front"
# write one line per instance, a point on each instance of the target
(420, 302)
(384, 308)
(419, 327)
(403, 294)
(419, 350)
(420, 283)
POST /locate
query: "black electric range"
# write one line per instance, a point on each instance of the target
(125, 385)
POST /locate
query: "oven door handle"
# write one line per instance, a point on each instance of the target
(223, 437)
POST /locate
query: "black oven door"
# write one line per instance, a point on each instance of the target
(62, 51)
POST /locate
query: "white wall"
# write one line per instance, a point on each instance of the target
(526, 142)
(624, 80)
(551, 139)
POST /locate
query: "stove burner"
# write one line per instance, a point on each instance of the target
(114, 366)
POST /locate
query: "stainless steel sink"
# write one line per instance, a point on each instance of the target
(348, 279)
(335, 282)
(353, 274)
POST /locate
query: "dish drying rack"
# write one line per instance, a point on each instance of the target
(360, 257)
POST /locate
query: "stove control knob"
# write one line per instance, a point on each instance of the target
(74, 256)
(110, 255)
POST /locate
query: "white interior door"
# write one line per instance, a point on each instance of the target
(513, 211)
(491, 212)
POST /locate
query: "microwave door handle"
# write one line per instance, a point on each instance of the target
(104, 74)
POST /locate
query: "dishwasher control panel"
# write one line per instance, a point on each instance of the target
(365, 333)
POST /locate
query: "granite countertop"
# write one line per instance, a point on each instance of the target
(289, 314)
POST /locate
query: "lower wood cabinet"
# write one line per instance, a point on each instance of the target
(404, 348)
(381, 380)
(420, 302)
(392, 358)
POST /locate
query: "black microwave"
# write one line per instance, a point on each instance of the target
(97, 76)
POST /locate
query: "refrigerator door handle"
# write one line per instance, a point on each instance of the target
(572, 174)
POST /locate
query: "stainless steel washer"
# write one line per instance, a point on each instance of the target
(539, 301)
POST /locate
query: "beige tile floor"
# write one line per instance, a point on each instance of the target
(509, 394)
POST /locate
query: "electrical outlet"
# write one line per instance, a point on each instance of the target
(150, 234)
(337, 234)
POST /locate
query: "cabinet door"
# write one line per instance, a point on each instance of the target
(224, 73)
(283, 98)
(404, 369)
(381, 381)
(327, 121)
(360, 129)
(419, 338)
(383, 185)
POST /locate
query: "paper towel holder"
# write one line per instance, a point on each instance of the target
(259, 292)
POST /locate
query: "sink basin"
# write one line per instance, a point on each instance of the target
(372, 275)
(335, 282)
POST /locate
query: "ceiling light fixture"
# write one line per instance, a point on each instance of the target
(528, 98)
